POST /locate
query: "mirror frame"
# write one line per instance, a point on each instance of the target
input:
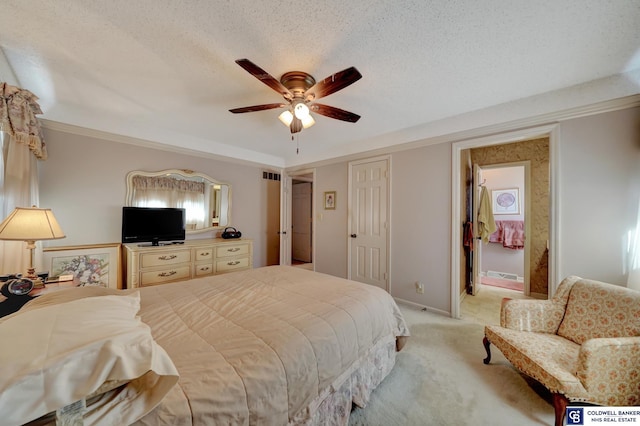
(186, 173)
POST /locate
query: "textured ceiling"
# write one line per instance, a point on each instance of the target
(164, 70)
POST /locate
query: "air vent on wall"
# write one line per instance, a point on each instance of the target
(270, 176)
(503, 275)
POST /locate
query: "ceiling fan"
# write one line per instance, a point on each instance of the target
(300, 90)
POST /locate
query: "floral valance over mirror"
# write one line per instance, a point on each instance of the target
(18, 109)
(207, 201)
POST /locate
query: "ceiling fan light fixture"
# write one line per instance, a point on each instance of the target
(307, 121)
(286, 118)
(301, 110)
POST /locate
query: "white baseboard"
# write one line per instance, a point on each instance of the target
(424, 307)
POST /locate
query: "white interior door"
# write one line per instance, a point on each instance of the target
(301, 222)
(477, 243)
(368, 225)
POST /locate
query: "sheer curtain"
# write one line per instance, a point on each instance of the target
(19, 187)
(169, 192)
(22, 145)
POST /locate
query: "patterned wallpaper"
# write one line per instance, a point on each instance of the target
(537, 152)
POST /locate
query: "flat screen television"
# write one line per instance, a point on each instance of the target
(152, 224)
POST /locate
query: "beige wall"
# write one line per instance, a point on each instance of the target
(331, 225)
(421, 225)
(600, 195)
(83, 181)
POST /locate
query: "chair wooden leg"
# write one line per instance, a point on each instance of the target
(560, 403)
(486, 344)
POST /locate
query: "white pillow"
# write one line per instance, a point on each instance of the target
(58, 354)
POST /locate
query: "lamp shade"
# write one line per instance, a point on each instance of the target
(286, 117)
(30, 224)
(307, 121)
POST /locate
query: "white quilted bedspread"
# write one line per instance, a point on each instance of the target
(261, 346)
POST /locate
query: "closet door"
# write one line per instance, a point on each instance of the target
(368, 222)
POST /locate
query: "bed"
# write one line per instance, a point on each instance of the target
(274, 345)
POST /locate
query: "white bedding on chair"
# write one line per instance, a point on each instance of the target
(264, 346)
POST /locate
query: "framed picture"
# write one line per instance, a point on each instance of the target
(91, 265)
(330, 200)
(505, 201)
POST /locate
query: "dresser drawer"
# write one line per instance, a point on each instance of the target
(203, 269)
(229, 265)
(152, 265)
(204, 254)
(148, 260)
(182, 272)
(232, 250)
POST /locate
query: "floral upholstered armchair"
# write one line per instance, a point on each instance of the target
(583, 344)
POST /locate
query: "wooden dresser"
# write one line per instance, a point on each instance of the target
(149, 265)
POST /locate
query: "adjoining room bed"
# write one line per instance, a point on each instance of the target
(275, 345)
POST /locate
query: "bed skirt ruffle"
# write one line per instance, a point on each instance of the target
(333, 406)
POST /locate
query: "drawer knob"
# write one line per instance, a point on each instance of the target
(172, 256)
(234, 263)
(167, 274)
(204, 253)
(204, 268)
(234, 249)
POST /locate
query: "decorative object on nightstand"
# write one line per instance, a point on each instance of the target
(31, 224)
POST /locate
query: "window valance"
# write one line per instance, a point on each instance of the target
(18, 109)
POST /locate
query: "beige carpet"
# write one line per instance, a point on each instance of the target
(439, 379)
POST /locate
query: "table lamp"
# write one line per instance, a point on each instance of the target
(31, 224)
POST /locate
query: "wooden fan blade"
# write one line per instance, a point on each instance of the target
(333, 83)
(264, 77)
(333, 112)
(257, 108)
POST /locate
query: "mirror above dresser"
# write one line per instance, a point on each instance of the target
(207, 201)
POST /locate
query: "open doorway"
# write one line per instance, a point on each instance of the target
(537, 145)
(297, 239)
(302, 221)
(503, 261)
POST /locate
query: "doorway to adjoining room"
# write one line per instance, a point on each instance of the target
(302, 221)
(503, 258)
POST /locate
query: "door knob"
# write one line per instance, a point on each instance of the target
(353, 235)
